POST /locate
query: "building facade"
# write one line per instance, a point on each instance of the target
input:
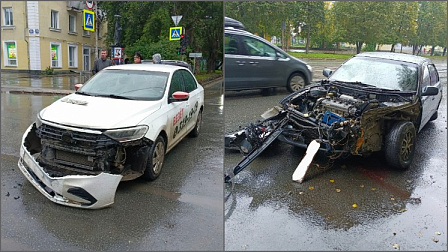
(43, 35)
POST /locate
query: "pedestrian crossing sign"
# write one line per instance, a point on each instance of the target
(175, 33)
(88, 20)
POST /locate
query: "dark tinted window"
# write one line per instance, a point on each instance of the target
(176, 83)
(190, 83)
(230, 44)
(434, 76)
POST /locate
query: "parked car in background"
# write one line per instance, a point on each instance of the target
(118, 126)
(373, 102)
(252, 62)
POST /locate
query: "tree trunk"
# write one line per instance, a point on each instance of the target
(392, 49)
(308, 39)
(358, 46)
(444, 51)
(432, 50)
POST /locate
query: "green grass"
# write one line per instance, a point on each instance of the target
(201, 77)
(312, 55)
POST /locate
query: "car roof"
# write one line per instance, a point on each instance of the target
(395, 56)
(230, 22)
(147, 67)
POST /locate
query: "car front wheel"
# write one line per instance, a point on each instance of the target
(400, 145)
(155, 159)
(296, 82)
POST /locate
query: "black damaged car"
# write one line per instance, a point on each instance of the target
(375, 101)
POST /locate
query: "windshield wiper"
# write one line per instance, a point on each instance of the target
(367, 86)
(118, 96)
(82, 93)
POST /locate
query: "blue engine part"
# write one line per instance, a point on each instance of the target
(330, 117)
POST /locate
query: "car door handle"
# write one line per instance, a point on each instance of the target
(253, 62)
(240, 63)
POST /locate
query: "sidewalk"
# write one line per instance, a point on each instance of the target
(57, 91)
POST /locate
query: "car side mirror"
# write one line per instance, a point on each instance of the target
(327, 72)
(427, 91)
(179, 96)
(78, 86)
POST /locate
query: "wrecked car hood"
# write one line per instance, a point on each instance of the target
(98, 112)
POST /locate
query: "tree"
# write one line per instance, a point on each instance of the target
(361, 22)
(146, 25)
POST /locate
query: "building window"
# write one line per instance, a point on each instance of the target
(8, 21)
(86, 58)
(72, 56)
(71, 24)
(86, 33)
(55, 54)
(10, 49)
(54, 19)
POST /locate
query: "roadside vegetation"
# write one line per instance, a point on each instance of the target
(328, 25)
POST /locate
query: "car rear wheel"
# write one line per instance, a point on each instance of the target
(155, 159)
(197, 127)
(296, 82)
(400, 145)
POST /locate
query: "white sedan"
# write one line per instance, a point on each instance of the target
(117, 126)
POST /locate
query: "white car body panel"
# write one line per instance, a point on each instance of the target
(85, 114)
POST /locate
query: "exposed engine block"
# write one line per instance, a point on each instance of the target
(343, 105)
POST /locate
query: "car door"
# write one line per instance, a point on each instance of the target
(435, 82)
(426, 100)
(194, 99)
(176, 111)
(259, 63)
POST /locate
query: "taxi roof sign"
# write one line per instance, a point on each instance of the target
(175, 33)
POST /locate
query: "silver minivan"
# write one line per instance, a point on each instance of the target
(252, 62)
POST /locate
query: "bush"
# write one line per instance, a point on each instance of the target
(369, 47)
(49, 71)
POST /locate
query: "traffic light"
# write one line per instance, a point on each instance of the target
(179, 50)
(183, 50)
(182, 40)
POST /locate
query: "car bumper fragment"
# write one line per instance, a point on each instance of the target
(82, 191)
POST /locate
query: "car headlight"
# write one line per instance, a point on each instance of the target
(127, 134)
(309, 68)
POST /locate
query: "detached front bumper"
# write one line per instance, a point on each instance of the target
(82, 191)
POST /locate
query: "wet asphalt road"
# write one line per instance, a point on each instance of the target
(395, 210)
(181, 210)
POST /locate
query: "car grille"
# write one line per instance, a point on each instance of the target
(73, 137)
(73, 150)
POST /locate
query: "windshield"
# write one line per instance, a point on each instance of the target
(381, 73)
(128, 84)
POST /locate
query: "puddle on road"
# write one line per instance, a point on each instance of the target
(66, 82)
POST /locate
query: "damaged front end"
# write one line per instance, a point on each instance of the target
(334, 118)
(80, 167)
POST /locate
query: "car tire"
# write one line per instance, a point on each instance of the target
(400, 145)
(296, 82)
(197, 127)
(155, 161)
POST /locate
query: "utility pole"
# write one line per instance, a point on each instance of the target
(96, 31)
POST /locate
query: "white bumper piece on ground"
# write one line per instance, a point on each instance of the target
(82, 191)
(302, 168)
